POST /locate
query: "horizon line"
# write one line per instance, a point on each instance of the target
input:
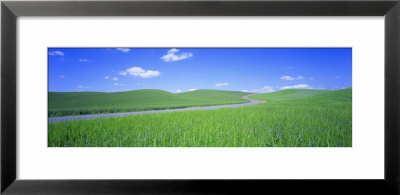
(189, 91)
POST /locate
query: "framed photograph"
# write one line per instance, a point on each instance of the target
(219, 84)
(204, 97)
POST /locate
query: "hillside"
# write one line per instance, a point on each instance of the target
(80, 103)
(304, 97)
(216, 96)
(290, 118)
(287, 94)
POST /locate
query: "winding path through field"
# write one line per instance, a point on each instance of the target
(91, 116)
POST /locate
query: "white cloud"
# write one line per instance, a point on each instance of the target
(118, 84)
(81, 88)
(311, 78)
(336, 77)
(173, 50)
(221, 84)
(173, 55)
(125, 50)
(56, 53)
(245, 90)
(61, 76)
(265, 89)
(83, 60)
(288, 78)
(299, 86)
(115, 79)
(193, 89)
(149, 74)
(140, 72)
(177, 91)
(106, 77)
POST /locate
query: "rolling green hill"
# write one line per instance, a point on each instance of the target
(287, 94)
(289, 118)
(80, 103)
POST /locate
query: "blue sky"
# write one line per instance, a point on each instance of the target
(257, 70)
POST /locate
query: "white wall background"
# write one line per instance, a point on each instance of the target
(364, 160)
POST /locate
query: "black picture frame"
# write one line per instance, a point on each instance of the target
(11, 10)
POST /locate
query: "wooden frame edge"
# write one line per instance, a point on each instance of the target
(392, 97)
(11, 10)
(8, 97)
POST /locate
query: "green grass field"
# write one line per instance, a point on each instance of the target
(80, 103)
(289, 118)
